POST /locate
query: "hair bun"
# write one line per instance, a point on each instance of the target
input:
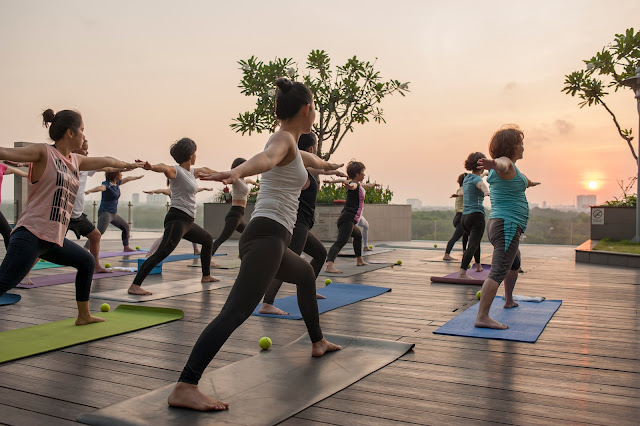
(47, 117)
(284, 84)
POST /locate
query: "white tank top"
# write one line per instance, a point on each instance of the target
(184, 188)
(240, 190)
(279, 192)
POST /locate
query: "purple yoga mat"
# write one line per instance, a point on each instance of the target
(477, 278)
(67, 278)
(122, 253)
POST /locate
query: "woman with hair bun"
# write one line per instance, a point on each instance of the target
(264, 243)
(53, 185)
(457, 221)
(507, 220)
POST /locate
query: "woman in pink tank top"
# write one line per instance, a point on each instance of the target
(53, 185)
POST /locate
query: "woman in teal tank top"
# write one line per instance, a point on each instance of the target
(507, 221)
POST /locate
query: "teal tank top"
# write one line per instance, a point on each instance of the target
(473, 198)
(509, 202)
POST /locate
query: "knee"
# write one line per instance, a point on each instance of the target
(94, 236)
(321, 255)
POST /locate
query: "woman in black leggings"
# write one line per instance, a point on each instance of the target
(179, 221)
(473, 212)
(53, 185)
(457, 221)
(263, 244)
(347, 222)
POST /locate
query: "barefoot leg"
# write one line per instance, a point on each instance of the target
(360, 261)
(483, 320)
(136, 289)
(185, 395)
(84, 315)
(268, 308)
(209, 279)
(331, 269)
(463, 274)
(322, 347)
(447, 256)
(509, 284)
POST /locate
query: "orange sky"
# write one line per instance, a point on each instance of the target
(146, 73)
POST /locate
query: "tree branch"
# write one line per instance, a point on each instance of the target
(626, 138)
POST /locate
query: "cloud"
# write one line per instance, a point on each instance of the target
(509, 87)
(564, 128)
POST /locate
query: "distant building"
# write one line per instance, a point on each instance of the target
(156, 199)
(135, 198)
(544, 204)
(415, 203)
(585, 201)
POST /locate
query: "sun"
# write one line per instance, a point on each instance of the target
(593, 184)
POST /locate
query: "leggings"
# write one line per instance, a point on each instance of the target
(232, 222)
(264, 254)
(5, 230)
(362, 223)
(302, 240)
(24, 248)
(178, 225)
(472, 224)
(504, 258)
(459, 232)
(106, 218)
(346, 228)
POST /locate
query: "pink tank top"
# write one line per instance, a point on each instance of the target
(50, 200)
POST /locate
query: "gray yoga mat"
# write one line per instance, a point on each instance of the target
(350, 269)
(264, 389)
(70, 277)
(348, 252)
(224, 264)
(162, 290)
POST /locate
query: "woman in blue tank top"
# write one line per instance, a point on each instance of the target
(507, 221)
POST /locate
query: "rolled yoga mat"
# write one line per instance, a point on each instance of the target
(264, 389)
(163, 290)
(337, 295)
(175, 257)
(70, 277)
(24, 342)
(9, 299)
(477, 278)
(350, 269)
(526, 322)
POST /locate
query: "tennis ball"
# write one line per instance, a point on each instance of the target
(105, 307)
(327, 281)
(137, 247)
(265, 343)
(370, 246)
(42, 260)
(469, 266)
(478, 294)
(399, 262)
(435, 245)
(107, 265)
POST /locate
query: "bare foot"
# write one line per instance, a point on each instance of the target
(88, 319)
(136, 289)
(319, 296)
(100, 270)
(185, 395)
(479, 267)
(367, 249)
(127, 248)
(463, 275)
(26, 281)
(447, 256)
(490, 323)
(196, 252)
(214, 265)
(209, 279)
(268, 308)
(319, 348)
(361, 263)
(510, 304)
(332, 270)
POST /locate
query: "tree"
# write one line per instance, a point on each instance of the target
(350, 95)
(607, 69)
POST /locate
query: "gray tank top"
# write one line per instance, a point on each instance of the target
(184, 188)
(279, 191)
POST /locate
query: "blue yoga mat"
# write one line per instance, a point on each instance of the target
(175, 257)
(525, 322)
(9, 299)
(337, 295)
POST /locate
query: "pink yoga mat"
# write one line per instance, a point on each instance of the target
(67, 278)
(477, 278)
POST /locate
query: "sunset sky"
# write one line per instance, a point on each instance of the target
(146, 73)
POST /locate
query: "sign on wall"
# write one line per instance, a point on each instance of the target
(597, 216)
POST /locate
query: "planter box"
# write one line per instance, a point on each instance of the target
(614, 223)
(387, 222)
(586, 254)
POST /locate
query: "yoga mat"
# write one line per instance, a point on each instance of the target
(24, 342)
(121, 253)
(457, 258)
(525, 322)
(162, 290)
(224, 264)
(9, 299)
(337, 295)
(45, 265)
(264, 389)
(350, 269)
(175, 257)
(350, 253)
(70, 277)
(477, 278)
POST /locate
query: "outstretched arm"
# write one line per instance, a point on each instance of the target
(197, 171)
(15, 163)
(312, 160)
(531, 183)
(29, 154)
(483, 187)
(200, 190)
(316, 172)
(169, 171)
(97, 163)
(130, 178)
(502, 165)
(370, 185)
(98, 188)
(159, 191)
(14, 171)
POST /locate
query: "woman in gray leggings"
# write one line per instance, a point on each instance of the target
(108, 211)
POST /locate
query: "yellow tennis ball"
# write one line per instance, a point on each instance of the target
(478, 294)
(435, 245)
(265, 343)
(105, 307)
(370, 246)
(137, 247)
(107, 265)
(469, 266)
(327, 281)
(399, 262)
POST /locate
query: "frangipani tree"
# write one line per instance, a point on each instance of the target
(345, 97)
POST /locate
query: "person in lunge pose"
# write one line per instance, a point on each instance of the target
(263, 244)
(507, 220)
(53, 184)
(457, 222)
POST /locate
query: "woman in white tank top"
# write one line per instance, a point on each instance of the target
(264, 243)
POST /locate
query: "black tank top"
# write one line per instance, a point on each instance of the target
(307, 203)
(353, 202)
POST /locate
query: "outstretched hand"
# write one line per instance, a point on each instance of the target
(334, 166)
(15, 163)
(534, 184)
(487, 163)
(227, 177)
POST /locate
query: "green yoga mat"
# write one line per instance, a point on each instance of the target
(45, 265)
(24, 342)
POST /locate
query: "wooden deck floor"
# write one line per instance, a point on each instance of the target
(585, 368)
